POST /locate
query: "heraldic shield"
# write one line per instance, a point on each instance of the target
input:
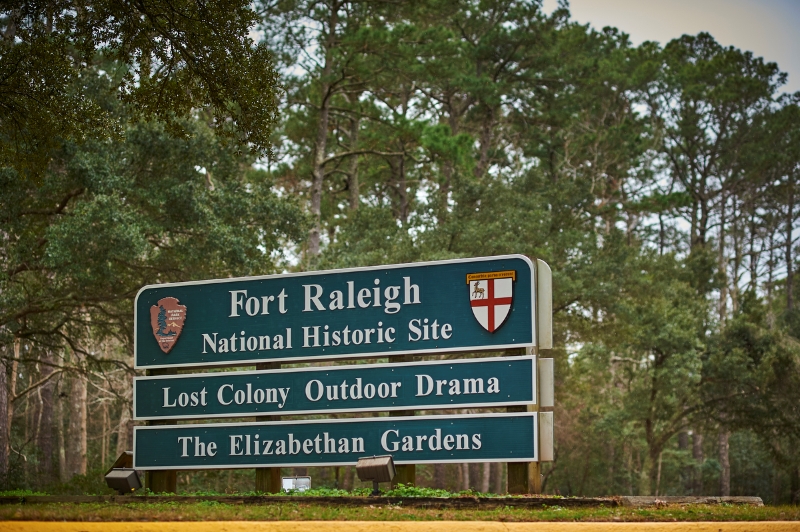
(490, 295)
(167, 318)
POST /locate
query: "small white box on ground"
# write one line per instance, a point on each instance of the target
(296, 483)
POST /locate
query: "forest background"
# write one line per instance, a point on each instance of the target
(157, 142)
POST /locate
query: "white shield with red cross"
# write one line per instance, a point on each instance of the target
(490, 296)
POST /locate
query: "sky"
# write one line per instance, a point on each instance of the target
(768, 28)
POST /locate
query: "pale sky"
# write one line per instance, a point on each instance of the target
(768, 28)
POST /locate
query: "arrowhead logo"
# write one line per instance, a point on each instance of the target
(490, 295)
(167, 318)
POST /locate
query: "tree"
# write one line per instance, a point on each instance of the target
(109, 217)
(172, 57)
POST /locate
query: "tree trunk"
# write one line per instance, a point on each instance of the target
(686, 472)
(45, 442)
(320, 145)
(697, 454)
(486, 477)
(497, 478)
(62, 448)
(7, 392)
(439, 476)
(776, 482)
(352, 179)
(723, 267)
(347, 482)
(124, 431)
(104, 434)
(29, 414)
(486, 141)
(724, 463)
(76, 434)
(475, 476)
(788, 248)
(402, 189)
(465, 484)
(658, 474)
(5, 423)
(647, 474)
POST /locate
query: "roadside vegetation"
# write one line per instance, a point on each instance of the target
(216, 511)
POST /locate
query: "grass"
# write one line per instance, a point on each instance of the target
(289, 511)
(401, 490)
(20, 493)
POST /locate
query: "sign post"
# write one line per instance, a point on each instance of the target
(268, 479)
(161, 481)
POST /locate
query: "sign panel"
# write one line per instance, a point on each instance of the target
(459, 305)
(465, 383)
(410, 440)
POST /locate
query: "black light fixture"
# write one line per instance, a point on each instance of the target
(122, 477)
(377, 469)
(123, 480)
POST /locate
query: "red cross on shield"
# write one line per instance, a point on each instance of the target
(490, 296)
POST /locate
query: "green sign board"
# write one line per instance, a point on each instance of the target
(465, 383)
(447, 306)
(417, 440)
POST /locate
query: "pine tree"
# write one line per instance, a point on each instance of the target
(162, 321)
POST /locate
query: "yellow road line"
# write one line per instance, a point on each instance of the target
(394, 526)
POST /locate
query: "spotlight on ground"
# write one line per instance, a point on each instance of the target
(377, 469)
(122, 477)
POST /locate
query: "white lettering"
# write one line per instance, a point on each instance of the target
(312, 299)
(428, 382)
(409, 289)
(394, 445)
(185, 441)
(309, 394)
(212, 343)
(237, 302)
(235, 442)
(219, 394)
(166, 399)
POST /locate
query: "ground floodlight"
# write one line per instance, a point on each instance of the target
(123, 480)
(377, 469)
(296, 483)
(122, 477)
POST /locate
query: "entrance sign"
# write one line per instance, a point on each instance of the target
(460, 305)
(410, 440)
(465, 383)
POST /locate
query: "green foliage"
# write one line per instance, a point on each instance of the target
(402, 490)
(165, 60)
(91, 483)
(20, 493)
(110, 217)
(326, 492)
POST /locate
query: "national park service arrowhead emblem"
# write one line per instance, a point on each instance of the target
(490, 296)
(167, 318)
